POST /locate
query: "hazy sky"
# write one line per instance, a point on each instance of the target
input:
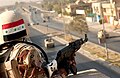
(10, 2)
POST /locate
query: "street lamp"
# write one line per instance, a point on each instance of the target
(64, 27)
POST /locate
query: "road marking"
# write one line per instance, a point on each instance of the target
(85, 71)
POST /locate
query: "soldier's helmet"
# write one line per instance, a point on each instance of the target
(12, 26)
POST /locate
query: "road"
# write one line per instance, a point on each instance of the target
(83, 63)
(112, 43)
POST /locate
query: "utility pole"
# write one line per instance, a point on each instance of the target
(64, 27)
(105, 43)
(111, 9)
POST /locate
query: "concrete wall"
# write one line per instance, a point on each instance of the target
(89, 19)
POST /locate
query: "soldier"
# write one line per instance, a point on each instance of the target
(30, 62)
(14, 28)
(101, 36)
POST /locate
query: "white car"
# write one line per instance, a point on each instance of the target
(49, 43)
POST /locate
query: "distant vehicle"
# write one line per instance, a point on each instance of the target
(31, 24)
(49, 43)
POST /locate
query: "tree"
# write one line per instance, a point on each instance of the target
(78, 25)
(57, 8)
(56, 5)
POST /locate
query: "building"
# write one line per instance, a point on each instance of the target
(71, 9)
(117, 7)
(111, 11)
(78, 5)
(106, 9)
(96, 7)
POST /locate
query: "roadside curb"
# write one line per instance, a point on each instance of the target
(100, 61)
(61, 21)
(115, 31)
(86, 53)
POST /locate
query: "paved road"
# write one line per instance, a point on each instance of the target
(83, 63)
(112, 43)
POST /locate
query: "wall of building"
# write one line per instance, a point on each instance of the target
(96, 8)
(109, 9)
(117, 1)
(97, 11)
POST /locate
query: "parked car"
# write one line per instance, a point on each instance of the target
(49, 43)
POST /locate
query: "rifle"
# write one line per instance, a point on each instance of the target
(64, 57)
(69, 50)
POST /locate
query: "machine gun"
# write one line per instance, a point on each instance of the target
(65, 60)
(66, 56)
(69, 50)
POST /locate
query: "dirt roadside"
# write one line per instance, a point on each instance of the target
(91, 50)
(113, 58)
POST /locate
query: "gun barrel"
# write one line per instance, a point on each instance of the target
(85, 35)
(86, 38)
